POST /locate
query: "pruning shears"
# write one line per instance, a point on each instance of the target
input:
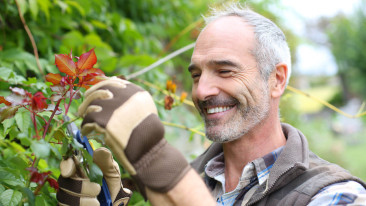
(104, 196)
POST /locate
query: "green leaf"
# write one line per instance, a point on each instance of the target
(77, 6)
(24, 139)
(8, 178)
(2, 133)
(10, 197)
(17, 147)
(16, 54)
(99, 24)
(23, 120)
(7, 124)
(45, 7)
(29, 195)
(13, 133)
(41, 148)
(109, 65)
(133, 60)
(31, 80)
(33, 8)
(95, 174)
(5, 72)
(73, 39)
(40, 201)
(23, 6)
(2, 188)
(65, 147)
(18, 163)
(9, 75)
(59, 134)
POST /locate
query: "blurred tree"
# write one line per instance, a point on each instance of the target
(347, 36)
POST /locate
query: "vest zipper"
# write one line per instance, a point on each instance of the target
(265, 193)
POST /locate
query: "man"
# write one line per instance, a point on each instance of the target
(240, 67)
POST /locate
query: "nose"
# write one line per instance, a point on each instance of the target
(205, 88)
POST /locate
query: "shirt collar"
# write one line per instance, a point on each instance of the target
(259, 167)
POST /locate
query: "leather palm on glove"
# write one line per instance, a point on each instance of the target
(127, 116)
(76, 188)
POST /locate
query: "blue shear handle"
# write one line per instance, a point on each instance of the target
(104, 196)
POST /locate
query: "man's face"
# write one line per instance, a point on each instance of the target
(228, 90)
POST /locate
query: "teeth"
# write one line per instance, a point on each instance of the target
(217, 109)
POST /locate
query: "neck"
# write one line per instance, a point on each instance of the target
(261, 140)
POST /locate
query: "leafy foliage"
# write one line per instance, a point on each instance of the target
(126, 36)
(42, 152)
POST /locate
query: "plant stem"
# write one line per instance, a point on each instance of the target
(71, 96)
(184, 127)
(330, 106)
(29, 33)
(50, 119)
(36, 114)
(35, 124)
(39, 187)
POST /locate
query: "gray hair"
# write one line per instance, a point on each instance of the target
(271, 46)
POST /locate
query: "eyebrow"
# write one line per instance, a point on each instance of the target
(224, 63)
(216, 62)
(191, 67)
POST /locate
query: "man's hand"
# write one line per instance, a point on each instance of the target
(127, 116)
(76, 188)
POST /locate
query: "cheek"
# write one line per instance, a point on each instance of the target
(247, 94)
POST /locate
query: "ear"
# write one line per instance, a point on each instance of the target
(280, 78)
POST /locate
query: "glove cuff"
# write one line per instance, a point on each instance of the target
(161, 168)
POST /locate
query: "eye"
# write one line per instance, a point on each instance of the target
(225, 73)
(195, 75)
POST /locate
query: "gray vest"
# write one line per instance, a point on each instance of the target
(296, 176)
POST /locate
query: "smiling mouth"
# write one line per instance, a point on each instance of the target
(214, 110)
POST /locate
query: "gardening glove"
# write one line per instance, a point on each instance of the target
(76, 188)
(127, 116)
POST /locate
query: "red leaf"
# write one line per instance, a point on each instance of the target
(35, 176)
(18, 91)
(39, 102)
(53, 78)
(65, 64)
(18, 97)
(38, 177)
(92, 71)
(3, 100)
(59, 90)
(87, 60)
(53, 183)
(91, 77)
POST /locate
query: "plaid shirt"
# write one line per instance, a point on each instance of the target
(257, 172)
